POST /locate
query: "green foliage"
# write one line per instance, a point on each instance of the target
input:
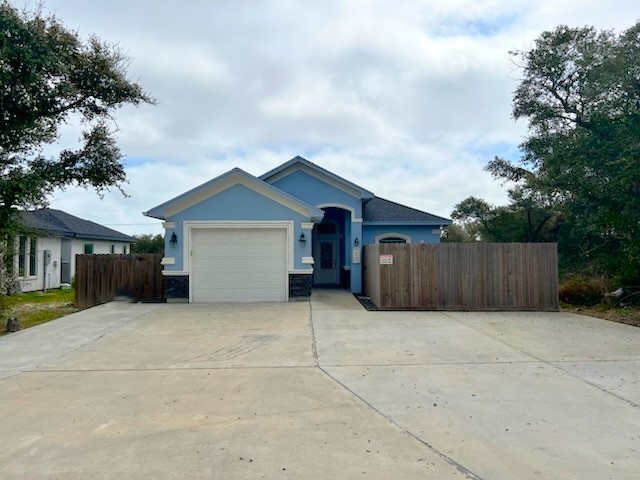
(578, 182)
(459, 233)
(48, 74)
(148, 243)
(581, 290)
(521, 221)
(50, 296)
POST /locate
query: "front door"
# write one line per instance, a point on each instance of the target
(326, 266)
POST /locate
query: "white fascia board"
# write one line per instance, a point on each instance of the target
(354, 219)
(228, 180)
(159, 210)
(299, 163)
(315, 174)
(409, 224)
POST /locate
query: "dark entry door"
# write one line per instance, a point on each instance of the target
(326, 257)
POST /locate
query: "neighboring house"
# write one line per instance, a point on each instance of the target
(46, 252)
(243, 238)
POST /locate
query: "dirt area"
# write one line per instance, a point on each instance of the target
(32, 314)
(627, 315)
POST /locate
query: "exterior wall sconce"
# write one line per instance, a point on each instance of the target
(356, 242)
(302, 239)
(173, 241)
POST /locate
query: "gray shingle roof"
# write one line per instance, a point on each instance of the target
(379, 209)
(62, 224)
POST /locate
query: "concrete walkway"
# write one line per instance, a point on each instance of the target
(320, 390)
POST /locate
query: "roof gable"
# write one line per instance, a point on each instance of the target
(222, 183)
(59, 223)
(299, 163)
(381, 210)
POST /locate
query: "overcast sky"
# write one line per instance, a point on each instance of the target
(409, 99)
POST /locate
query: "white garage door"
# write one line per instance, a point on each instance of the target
(239, 264)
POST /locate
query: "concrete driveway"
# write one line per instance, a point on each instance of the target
(319, 390)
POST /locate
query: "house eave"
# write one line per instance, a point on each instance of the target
(199, 193)
(79, 236)
(150, 215)
(275, 172)
(408, 223)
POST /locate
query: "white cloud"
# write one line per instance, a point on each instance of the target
(408, 99)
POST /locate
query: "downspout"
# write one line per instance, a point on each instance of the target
(44, 271)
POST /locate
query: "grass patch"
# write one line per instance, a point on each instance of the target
(50, 296)
(34, 308)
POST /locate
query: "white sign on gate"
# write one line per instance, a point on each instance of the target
(386, 259)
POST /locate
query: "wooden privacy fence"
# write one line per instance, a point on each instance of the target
(99, 278)
(462, 276)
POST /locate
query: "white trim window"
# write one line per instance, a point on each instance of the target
(393, 237)
(27, 258)
(88, 248)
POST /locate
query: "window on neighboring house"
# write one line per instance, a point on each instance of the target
(393, 240)
(124, 249)
(33, 252)
(22, 255)
(88, 248)
(113, 249)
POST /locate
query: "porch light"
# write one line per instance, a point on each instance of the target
(174, 240)
(356, 242)
(302, 239)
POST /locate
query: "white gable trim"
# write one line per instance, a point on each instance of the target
(232, 181)
(344, 207)
(318, 175)
(295, 163)
(228, 180)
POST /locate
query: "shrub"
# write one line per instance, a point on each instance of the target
(579, 290)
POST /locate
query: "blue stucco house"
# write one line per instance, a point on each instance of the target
(271, 238)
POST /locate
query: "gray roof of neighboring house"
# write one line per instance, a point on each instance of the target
(379, 209)
(62, 224)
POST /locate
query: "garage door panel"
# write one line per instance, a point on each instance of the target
(239, 264)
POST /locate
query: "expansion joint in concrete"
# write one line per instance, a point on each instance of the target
(546, 362)
(463, 470)
(313, 335)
